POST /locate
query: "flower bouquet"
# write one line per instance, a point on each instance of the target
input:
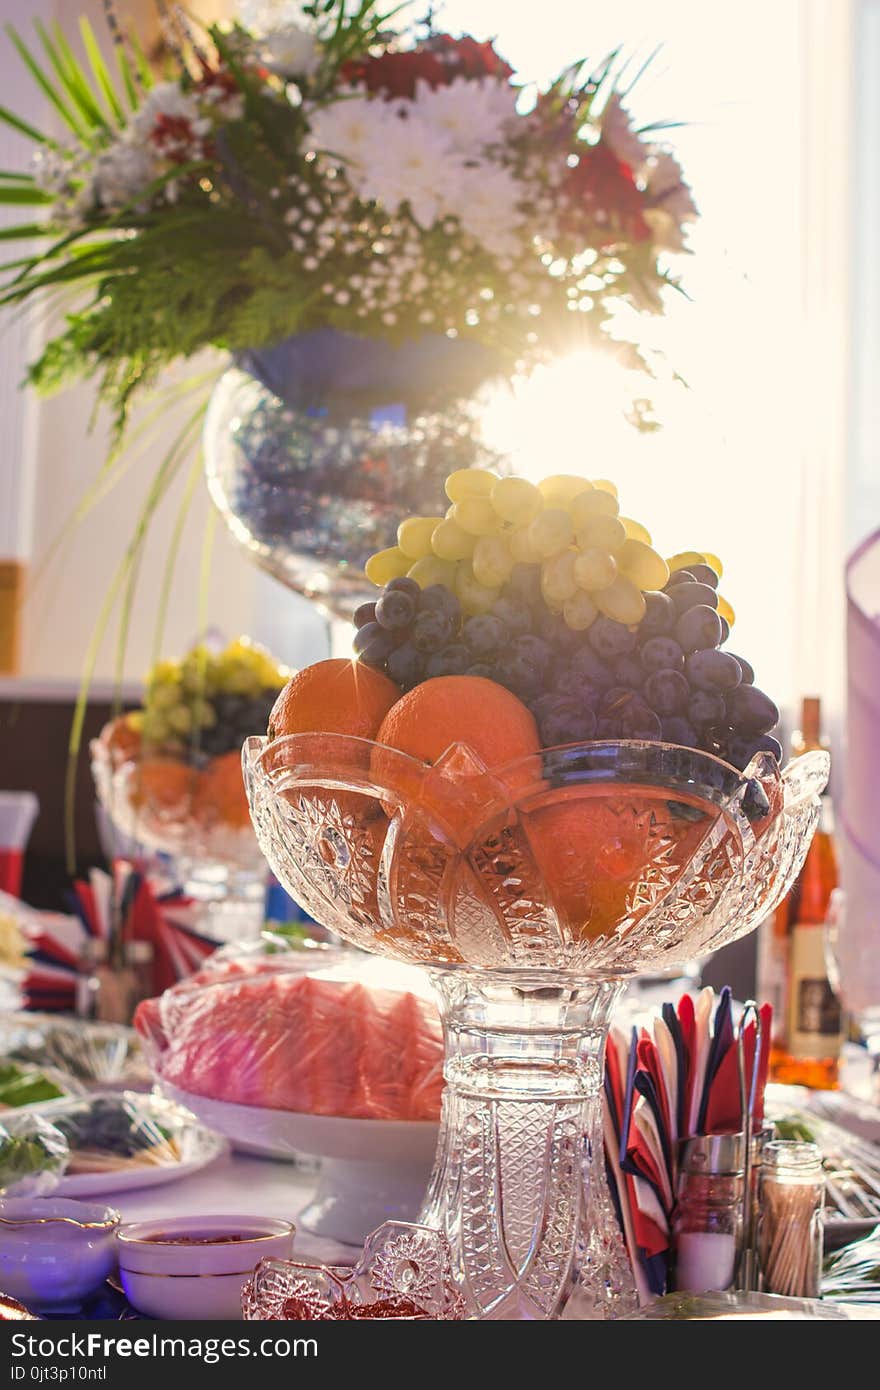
(374, 223)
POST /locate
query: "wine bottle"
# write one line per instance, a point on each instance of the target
(808, 1025)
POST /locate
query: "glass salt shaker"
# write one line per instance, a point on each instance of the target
(792, 1197)
(708, 1220)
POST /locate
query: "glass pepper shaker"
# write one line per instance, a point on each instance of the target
(708, 1219)
(792, 1197)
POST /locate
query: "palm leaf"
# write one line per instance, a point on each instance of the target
(101, 71)
(23, 231)
(71, 76)
(46, 86)
(9, 118)
(120, 460)
(162, 480)
(640, 72)
(13, 265)
(174, 544)
(127, 252)
(27, 196)
(68, 240)
(205, 567)
(141, 62)
(127, 74)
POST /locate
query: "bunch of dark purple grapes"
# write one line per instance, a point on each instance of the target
(666, 679)
(413, 634)
(236, 717)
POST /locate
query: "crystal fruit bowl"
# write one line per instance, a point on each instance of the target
(198, 817)
(530, 892)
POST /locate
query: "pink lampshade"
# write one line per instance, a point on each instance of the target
(858, 943)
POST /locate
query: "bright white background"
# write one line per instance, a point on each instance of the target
(751, 460)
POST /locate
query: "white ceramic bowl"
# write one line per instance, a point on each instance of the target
(200, 1280)
(54, 1252)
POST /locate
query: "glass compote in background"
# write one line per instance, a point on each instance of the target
(530, 893)
(315, 444)
(208, 849)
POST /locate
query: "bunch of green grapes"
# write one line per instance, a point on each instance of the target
(549, 591)
(210, 702)
(591, 559)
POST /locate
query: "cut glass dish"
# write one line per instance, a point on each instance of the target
(530, 893)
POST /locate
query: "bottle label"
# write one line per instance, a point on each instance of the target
(815, 1025)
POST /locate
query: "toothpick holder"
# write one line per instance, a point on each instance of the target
(789, 1235)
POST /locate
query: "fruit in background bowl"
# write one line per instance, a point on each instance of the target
(169, 774)
(121, 737)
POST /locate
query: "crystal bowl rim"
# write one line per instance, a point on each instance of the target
(257, 746)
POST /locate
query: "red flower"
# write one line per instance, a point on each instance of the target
(174, 137)
(217, 83)
(468, 58)
(438, 62)
(601, 191)
(395, 74)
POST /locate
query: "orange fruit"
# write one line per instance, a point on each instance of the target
(595, 850)
(492, 724)
(220, 795)
(337, 696)
(163, 785)
(121, 739)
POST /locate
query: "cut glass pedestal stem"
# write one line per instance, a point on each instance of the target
(519, 1184)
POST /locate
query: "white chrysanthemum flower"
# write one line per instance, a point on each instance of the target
(291, 51)
(168, 100)
(352, 128)
(486, 200)
(222, 103)
(617, 132)
(122, 173)
(407, 161)
(53, 171)
(667, 187)
(665, 231)
(470, 114)
(262, 16)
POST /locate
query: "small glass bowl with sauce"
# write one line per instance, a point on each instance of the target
(195, 1266)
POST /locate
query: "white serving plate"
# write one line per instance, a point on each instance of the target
(371, 1170)
(154, 1175)
(199, 1145)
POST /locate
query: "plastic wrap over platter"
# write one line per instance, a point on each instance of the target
(330, 1033)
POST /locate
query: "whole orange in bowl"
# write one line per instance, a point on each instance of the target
(121, 738)
(493, 727)
(336, 696)
(164, 786)
(608, 854)
(220, 795)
